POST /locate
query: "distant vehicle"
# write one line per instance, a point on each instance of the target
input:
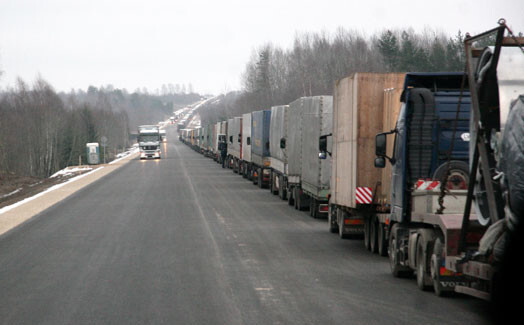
(149, 141)
(163, 135)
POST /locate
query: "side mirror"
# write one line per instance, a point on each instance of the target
(322, 143)
(282, 143)
(267, 145)
(248, 141)
(380, 162)
(231, 138)
(380, 145)
(239, 138)
(322, 155)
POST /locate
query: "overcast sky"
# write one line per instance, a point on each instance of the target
(131, 44)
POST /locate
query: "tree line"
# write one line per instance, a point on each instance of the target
(310, 67)
(43, 131)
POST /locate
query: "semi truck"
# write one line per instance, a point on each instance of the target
(149, 141)
(277, 147)
(260, 164)
(444, 243)
(245, 164)
(431, 141)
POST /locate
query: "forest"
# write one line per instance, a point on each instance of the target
(42, 130)
(311, 66)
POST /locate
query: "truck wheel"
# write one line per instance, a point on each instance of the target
(259, 178)
(366, 233)
(382, 243)
(422, 276)
(332, 222)
(398, 270)
(290, 197)
(373, 245)
(435, 263)
(340, 222)
(341, 233)
(281, 189)
(274, 189)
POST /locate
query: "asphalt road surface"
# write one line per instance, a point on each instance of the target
(183, 241)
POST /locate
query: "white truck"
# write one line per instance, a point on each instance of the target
(149, 141)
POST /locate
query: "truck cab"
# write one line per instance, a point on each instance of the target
(423, 137)
(149, 141)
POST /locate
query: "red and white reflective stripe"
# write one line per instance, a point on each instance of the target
(427, 185)
(363, 195)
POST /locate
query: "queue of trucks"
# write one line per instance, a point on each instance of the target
(400, 160)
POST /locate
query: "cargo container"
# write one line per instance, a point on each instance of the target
(234, 145)
(317, 120)
(358, 113)
(221, 139)
(260, 147)
(245, 167)
(277, 147)
(295, 196)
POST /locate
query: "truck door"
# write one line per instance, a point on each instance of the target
(398, 172)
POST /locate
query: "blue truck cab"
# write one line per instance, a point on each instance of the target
(423, 137)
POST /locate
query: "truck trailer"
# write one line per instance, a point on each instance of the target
(277, 147)
(358, 113)
(315, 180)
(245, 165)
(234, 146)
(260, 164)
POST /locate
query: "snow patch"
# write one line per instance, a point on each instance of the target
(52, 188)
(9, 194)
(70, 171)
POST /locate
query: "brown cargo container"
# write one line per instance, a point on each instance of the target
(358, 115)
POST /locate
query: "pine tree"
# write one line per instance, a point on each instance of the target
(388, 46)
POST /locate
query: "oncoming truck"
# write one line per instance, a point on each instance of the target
(149, 141)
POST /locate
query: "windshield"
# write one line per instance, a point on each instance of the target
(148, 137)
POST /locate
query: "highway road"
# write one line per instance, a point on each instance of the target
(183, 241)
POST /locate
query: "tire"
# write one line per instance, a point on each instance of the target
(373, 245)
(341, 228)
(314, 205)
(381, 240)
(295, 198)
(398, 271)
(281, 190)
(333, 226)
(259, 178)
(290, 197)
(422, 276)
(436, 256)
(244, 171)
(366, 233)
(273, 183)
(458, 174)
